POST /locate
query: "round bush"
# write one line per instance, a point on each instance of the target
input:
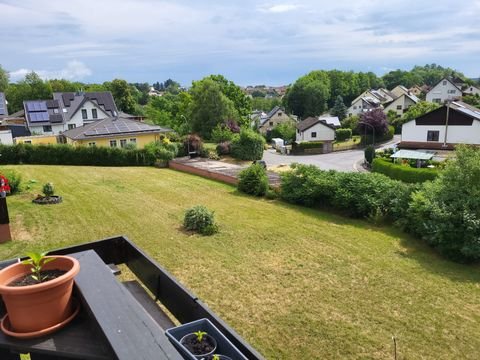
(248, 146)
(369, 153)
(253, 180)
(48, 189)
(201, 220)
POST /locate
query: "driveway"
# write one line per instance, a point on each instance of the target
(348, 160)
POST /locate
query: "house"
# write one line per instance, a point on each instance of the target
(276, 116)
(315, 129)
(331, 120)
(416, 90)
(445, 89)
(67, 111)
(399, 90)
(3, 105)
(363, 104)
(38, 139)
(431, 131)
(471, 90)
(401, 104)
(114, 132)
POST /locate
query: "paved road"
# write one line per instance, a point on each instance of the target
(348, 160)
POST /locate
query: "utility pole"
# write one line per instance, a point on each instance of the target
(446, 123)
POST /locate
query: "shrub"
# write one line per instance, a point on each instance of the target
(307, 145)
(48, 189)
(162, 150)
(201, 220)
(223, 148)
(248, 146)
(343, 134)
(253, 180)
(14, 180)
(369, 154)
(446, 212)
(221, 133)
(193, 143)
(403, 173)
(63, 154)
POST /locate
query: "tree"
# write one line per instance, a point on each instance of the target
(170, 111)
(31, 88)
(376, 119)
(473, 100)
(209, 106)
(309, 95)
(122, 94)
(265, 104)
(4, 78)
(62, 85)
(339, 109)
(286, 131)
(446, 212)
(241, 102)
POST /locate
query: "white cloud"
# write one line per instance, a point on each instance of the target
(74, 70)
(281, 8)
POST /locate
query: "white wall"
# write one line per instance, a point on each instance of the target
(356, 108)
(404, 101)
(324, 133)
(77, 117)
(472, 90)
(56, 129)
(441, 91)
(6, 137)
(455, 134)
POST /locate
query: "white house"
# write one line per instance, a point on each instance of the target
(276, 116)
(446, 89)
(67, 111)
(315, 129)
(363, 104)
(401, 104)
(471, 90)
(399, 90)
(431, 131)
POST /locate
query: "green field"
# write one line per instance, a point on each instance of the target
(294, 282)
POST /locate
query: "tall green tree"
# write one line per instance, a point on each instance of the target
(122, 94)
(62, 85)
(241, 102)
(4, 79)
(32, 87)
(309, 94)
(339, 109)
(210, 107)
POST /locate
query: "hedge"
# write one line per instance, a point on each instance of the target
(343, 134)
(308, 145)
(63, 154)
(248, 146)
(404, 173)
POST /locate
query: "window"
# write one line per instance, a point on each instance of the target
(84, 114)
(354, 108)
(399, 107)
(47, 128)
(432, 135)
(71, 126)
(27, 142)
(123, 142)
(451, 91)
(438, 101)
(279, 114)
(314, 134)
(133, 140)
(444, 82)
(94, 114)
(113, 143)
(271, 123)
(92, 143)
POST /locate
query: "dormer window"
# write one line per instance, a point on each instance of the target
(84, 114)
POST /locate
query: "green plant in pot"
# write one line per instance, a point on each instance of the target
(37, 293)
(199, 343)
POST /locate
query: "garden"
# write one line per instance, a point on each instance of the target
(337, 287)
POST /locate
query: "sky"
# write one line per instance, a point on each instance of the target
(249, 42)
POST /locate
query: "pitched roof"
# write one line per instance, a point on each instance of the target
(311, 121)
(272, 112)
(466, 109)
(330, 120)
(74, 101)
(447, 79)
(112, 126)
(3, 104)
(43, 112)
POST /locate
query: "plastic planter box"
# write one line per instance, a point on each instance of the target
(224, 346)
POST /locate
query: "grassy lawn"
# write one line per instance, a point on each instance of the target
(296, 283)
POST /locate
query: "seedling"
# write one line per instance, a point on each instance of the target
(216, 357)
(37, 261)
(200, 334)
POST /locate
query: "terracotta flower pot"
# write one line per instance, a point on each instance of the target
(33, 308)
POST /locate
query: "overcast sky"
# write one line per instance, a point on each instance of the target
(250, 42)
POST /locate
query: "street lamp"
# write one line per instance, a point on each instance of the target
(373, 131)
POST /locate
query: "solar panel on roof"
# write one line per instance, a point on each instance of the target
(56, 118)
(36, 106)
(39, 116)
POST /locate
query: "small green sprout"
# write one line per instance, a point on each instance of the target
(200, 334)
(216, 357)
(37, 261)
